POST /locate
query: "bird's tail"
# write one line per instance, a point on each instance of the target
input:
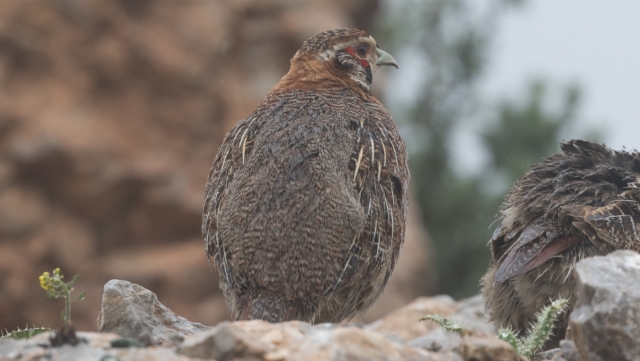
(271, 309)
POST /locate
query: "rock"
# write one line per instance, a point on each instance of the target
(93, 339)
(147, 354)
(605, 323)
(134, 312)
(403, 322)
(470, 313)
(31, 350)
(566, 352)
(96, 347)
(298, 341)
(552, 354)
(486, 348)
(437, 341)
(228, 341)
(351, 343)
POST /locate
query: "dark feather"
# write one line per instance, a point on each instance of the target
(581, 202)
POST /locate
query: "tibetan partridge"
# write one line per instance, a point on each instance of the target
(306, 200)
(581, 202)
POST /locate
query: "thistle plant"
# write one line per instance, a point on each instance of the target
(540, 331)
(446, 322)
(27, 332)
(56, 288)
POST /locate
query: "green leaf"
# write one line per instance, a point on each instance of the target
(27, 332)
(75, 278)
(81, 296)
(543, 328)
(445, 322)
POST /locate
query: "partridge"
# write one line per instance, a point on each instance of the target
(305, 206)
(581, 202)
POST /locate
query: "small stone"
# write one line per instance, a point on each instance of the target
(605, 323)
(134, 312)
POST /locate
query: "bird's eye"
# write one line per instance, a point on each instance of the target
(361, 50)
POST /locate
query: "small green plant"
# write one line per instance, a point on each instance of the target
(445, 322)
(540, 331)
(27, 332)
(56, 288)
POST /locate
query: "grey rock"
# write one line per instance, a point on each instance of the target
(353, 344)
(450, 356)
(605, 323)
(134, 312)
(146, 354)
(437, 341)
(402, 322)
(568, 350)
(95, 348)
(81, 351)
(470, 313)
(554, 354)
(224, 342)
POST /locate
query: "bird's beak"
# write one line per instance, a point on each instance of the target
(385, 58)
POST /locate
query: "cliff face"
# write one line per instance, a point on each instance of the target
(110, 115)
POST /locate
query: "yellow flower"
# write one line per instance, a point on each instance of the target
(44, 281)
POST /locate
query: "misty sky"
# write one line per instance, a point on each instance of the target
(591, 42)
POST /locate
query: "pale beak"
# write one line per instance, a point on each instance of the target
(385, 58)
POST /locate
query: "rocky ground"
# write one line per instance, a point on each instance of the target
(605, 325)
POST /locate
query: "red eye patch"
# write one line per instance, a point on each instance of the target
(353, 54)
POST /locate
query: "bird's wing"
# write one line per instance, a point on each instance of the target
(236, 147)
(378, 166)
(533, 246)
(616, 225)
(544, 204)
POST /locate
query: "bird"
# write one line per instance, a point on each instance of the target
(581, 202)
(306, 200)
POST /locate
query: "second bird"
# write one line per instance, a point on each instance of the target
(305, 209)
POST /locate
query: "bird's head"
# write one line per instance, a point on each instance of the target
(347, 55)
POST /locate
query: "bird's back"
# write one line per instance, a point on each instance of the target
(553, 194)
(288, 221)
(581, 202)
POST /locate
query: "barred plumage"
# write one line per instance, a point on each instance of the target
(582, 202)
(305, 208)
